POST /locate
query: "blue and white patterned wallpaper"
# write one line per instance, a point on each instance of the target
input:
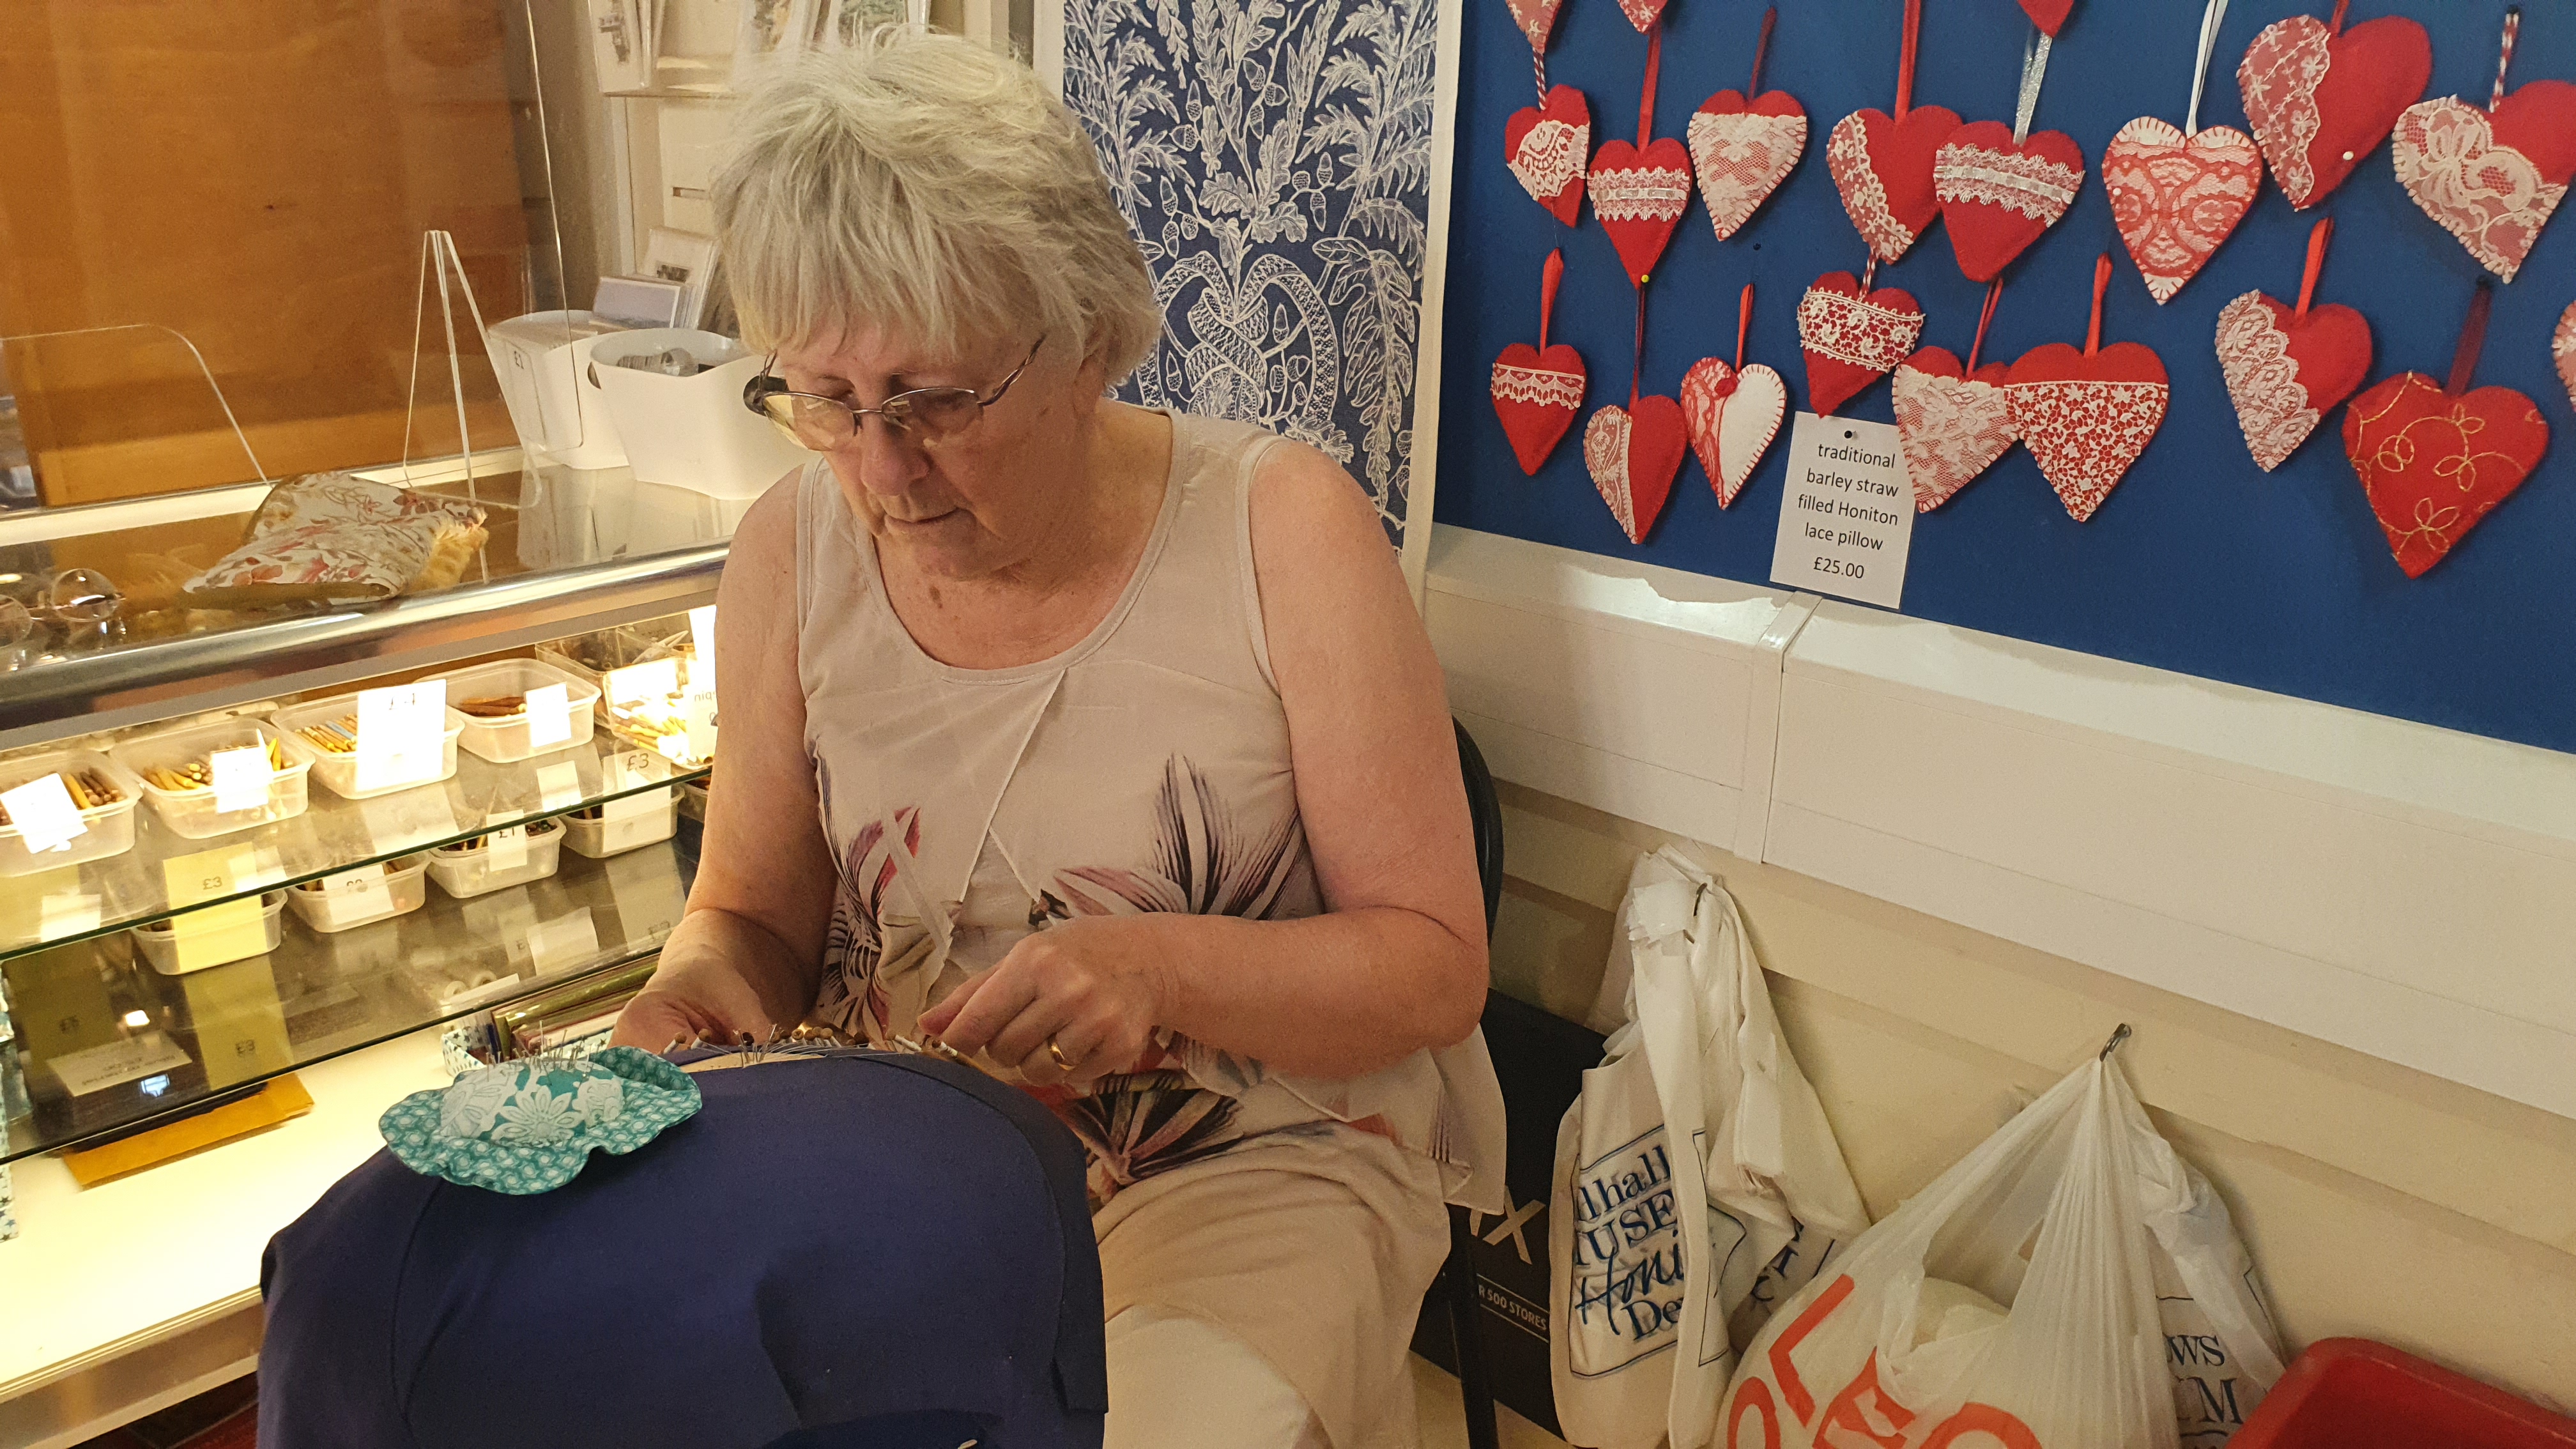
(1274, 157)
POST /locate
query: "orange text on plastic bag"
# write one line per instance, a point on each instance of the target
(1861, 1415)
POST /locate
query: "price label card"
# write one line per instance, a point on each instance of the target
(117, 1062)
(1847, 515)
(559, 785)
(659, 679)
(42, 813)
(242, 777)
(509, 849)
(567, 940)
(698, 720)
(218, 933)
(549, 710)
(67, 913)
(358, 894)
(402, 734)
(397, 823)
(702, 637)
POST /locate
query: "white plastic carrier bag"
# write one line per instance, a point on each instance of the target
(2013, 1303)
(1697, 1184)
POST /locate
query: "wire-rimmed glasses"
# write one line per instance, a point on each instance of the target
(926, 415)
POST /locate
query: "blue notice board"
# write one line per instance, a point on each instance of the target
(2199, 562)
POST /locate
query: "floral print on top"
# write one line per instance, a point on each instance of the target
(1147, 768)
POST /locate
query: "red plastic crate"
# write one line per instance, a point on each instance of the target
(2350, 1393)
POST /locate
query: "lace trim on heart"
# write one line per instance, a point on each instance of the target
(2175, 201)
(1740, 159)
(1855, 330)
(1645, 193)
(2279, 79)
(1950, 429)
(2263, 381)
(2086, 434)
(2034, 186)
(1605, 456)
(2489, 196)
(1551, 157)
(1546, 387)
(1864, 198)
(2562, 350)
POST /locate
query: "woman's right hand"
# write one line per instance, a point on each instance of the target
(657, 1019)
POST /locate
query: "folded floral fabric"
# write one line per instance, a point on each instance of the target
(331, 536)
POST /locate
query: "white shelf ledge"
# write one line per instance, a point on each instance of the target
(2392, 887)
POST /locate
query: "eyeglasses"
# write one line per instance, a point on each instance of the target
(927, 415)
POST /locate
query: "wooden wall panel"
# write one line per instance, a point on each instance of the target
(255, 174)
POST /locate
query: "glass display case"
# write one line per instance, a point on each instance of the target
(246, 842)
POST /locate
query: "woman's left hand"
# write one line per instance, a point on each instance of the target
(1094, 987)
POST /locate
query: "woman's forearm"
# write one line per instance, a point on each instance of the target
(734, 973)
(1335, 995)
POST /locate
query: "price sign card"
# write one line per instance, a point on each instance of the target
(358, 895)
(42, 813)
(549, 710)
(401, 822)
(220, 933)
(1847, 515)
(508, 846)
(559, 785)
(242, 777)
(402, 734)
(659, 679)
(702, 637)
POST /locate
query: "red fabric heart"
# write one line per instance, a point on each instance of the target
(1639, 198)
(2491, 181)
(1537, 19)
(1743, 151)
(2175, 198)
(2319, 102)
(1997, 198)
(2048, 15)
(1733, 416)
(1633, 457)
(1850, 340)
(1537, 394)
(1950, 426)
(1642, 13)
(2286, 372)
(1883, 168)
(2433, 465)
(1546, 148)
(2086, 419)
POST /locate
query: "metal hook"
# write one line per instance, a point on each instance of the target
(2113, 1044)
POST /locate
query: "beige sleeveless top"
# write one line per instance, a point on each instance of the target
(1144, 769)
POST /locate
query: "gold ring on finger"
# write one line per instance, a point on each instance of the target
(1061, 1060)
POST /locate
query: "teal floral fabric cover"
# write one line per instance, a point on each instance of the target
(530, 1126)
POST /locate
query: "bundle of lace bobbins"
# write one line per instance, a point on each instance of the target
(200, 774)
(89, 790)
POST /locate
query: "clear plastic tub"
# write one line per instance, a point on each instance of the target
(595, 835)
(326, 909)
(192, 812)
(339, 772)
(111, 826)
(465, 870)
(507, 739)
(160, 939)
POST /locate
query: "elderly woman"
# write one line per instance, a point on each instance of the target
(1103, 743)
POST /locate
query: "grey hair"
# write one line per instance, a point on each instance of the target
(927, 187)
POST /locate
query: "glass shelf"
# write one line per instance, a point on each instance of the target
(76, 903)
(143, 1046)
(568, 550)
